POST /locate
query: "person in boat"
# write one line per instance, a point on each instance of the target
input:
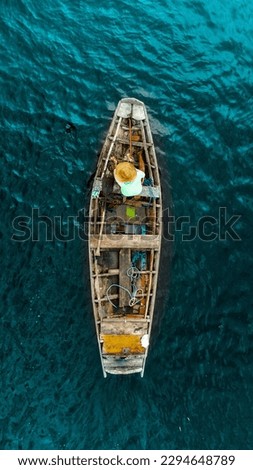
(129, 178)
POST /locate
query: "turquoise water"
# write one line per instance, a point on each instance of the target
(68, 62)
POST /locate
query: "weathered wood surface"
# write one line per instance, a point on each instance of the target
(123, 365)
(124, 110)
(130, 318)
(124, 327)
(123, 370)
(114, 363)
(144, 242)
(135, 143)
(129, 360)
(124, 279)
(138, 112)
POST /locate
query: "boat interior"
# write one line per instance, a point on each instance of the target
(125, 240)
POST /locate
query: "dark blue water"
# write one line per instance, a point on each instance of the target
(70, 62)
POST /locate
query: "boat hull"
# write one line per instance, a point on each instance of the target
(125, 244)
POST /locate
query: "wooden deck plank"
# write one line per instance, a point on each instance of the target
(134, 143)
(146, 150)
(129, 318)
(138, 112)
(124, 279)
(145, 242)
(126, 362)
(124, 110)
(128, 370)
(150, 282)
(110, 359)
(124, 327)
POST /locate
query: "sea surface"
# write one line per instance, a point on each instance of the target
(64, 65)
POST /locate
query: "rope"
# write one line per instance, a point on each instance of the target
(134, 274)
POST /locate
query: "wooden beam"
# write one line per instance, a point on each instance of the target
(135, 143)
(124, 279)
(105, 299)
(146, 150)
(111, 272)
(107, 241)
(128, 319)
(151, 278)
(111, 147)
(124, 327)
(125, 371)
(97, 252)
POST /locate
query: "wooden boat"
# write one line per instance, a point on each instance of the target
(124, 244)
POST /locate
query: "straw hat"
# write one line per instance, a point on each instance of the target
(125, 172)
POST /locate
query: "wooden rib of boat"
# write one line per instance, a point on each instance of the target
(124, 244)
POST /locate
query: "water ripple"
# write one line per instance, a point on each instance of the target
(70, 62)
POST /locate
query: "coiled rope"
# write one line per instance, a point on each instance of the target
(134, 274)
